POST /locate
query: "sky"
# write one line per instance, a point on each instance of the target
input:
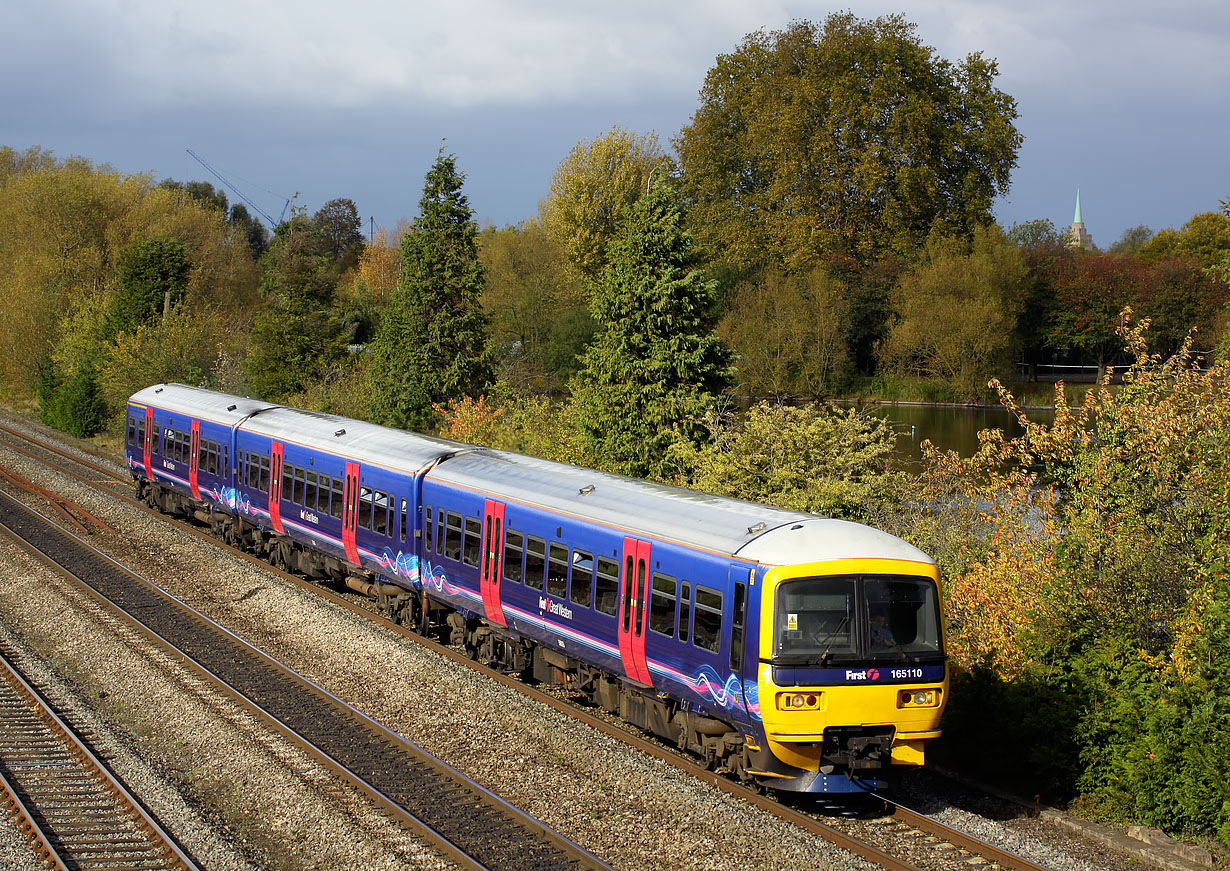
(305, 102)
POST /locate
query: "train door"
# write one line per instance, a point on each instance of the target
(148, 448)
(633, 605)
(493, 560)
(194, 459)
(350, 513)
(275, 487)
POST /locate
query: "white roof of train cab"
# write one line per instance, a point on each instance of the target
(720, 525)
(199, 402)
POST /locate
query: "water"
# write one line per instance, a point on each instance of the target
(950, 428)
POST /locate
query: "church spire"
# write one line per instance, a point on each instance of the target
(1078, 236)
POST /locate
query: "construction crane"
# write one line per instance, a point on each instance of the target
(238, 193)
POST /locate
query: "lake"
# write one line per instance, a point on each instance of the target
(951, 428)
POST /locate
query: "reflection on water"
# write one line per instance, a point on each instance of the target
(951, 428)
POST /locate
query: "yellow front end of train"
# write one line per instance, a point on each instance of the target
(853, 677)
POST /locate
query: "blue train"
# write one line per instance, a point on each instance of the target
(798, 653)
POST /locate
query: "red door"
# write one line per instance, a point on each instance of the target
(275, 487)
(493, 561)
(149, 443)
(194, 459)
(350, 512)
(633, 610)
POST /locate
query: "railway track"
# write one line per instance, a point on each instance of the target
(463, 821)
(952, 847)
(75, 813)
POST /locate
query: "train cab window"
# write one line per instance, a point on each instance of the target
(380, 513)
(737, 619)
(606, 586)
(472, 545)
(582, 578)
(365, 507)
(429, 530)
(535, 561)
(452, 535)
(707, 631)
(685, 610)
(335, 501)
(557, 571)
(513, 548)
(662, 605)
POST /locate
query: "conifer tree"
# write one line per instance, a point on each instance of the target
(656, 367)
(431, 346)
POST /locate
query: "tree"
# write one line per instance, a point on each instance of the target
(431, 346)
(1090, 292)
(848, 138)
(339, 225)
(532, 300)
(957, 311)
(152, 277)
(1205, 238)
(252, 230)
(591, 189)
(789, 334)
(295, 335)
(656, 368)
(1132, 240)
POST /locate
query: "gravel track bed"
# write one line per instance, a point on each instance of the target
(633, 811)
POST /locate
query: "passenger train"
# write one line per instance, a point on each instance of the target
(794, 652)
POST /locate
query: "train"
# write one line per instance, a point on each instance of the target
(793, 652)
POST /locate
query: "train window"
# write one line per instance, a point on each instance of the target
(736, 626)
(365, 507)
(264, 481)
(606, 586)
(405, 521)
(662, 605)
(309, 489)
(685, 609)
(535, 561)
(141, 432)
(473, 543)
(154, 443)
(429, 529)
(380, 515)
(452, 536)
(298, 485)
(335, 502)
(132, 430)
(512, 554)
(557, 571)
(707, 632)
(288, 481)
(582, 577)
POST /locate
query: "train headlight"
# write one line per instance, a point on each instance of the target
(799, 701)
(917, 699)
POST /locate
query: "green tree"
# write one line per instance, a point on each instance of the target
(593, 187)
(431, 346)
(957, 311)
(1205, 238)
(1132, 240)
(340, 228)
(533, 301)
(152, 277)
(294, 335)
(805, 458)
(788, 333)
(851, 138)
(656, 367)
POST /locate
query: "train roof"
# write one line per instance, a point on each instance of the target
(199, 402)
(715, 523)
(355, 439)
